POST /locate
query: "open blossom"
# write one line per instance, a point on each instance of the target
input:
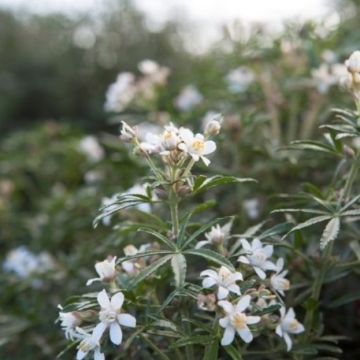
(216, 236)
(91, 148)
(105, 269)
(277, 280)
(89, 343)
(188, 98)
(257, 256)
(112, 317)
(288, 325)
(196, 145)
(236, 321)
(224, 279)
(69, 321)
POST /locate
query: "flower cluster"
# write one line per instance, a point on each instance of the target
(127, 89)
(353, 80)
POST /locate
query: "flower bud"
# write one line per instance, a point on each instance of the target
(213, 126)
(106, 269)
(353, 62)
(127, 133)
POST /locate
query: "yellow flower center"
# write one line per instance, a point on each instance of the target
(294, 324)
(198, 145)
(238, 321)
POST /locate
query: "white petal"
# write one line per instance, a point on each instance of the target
(290, 314)
(227, 306)
(208, 282)
(235, 289)
(268, 250)
(243, 259)
(288, 341)
(98, 355)
(300, 328)
(103, 299)
(256, 244)
(246, 335)
(261, 274)
(99, 331)
(90, 281)
(210, 273)
(210, 147)
(243, 303)
(80, 355)
(224, 322)
(279, 331)
(200, 244)
(228, 336)
(282, 311)
(246, 245)
(268, 265)
(127, 320)
(236, 276)
(252, 319)
(115, 333)
(205, 160)
(117, 300)
(280, 264)
(222, 293)
(186, 134)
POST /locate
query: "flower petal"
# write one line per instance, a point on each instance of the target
(205, 160)
(222, 293)
(127, 320)
(227, 306)
(117, 300)
(210, 273)
(246, 245)
(243, 303)
(80, 355)
(115, 333)
(98, 355)
(90, 281)
(208, 282)
(260, 273)
(279, 331)
(243, 259)
(245, 334)
(288, 341)
(103, 299)
(224, 322)
(234, 288)
(210, 147)
(228, 336)
(99, 331)
(252, 319)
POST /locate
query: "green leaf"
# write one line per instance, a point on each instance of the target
(211, 256)
(145, 273)
(178, 265)
(330, 232)
(212, 350)
(202, 184)
(199, 339)
(345, 299)
(312, 145)
(308, 211)
(143, 254)
(233, 352)
(353, 212)
(310, 222)
(159, 236)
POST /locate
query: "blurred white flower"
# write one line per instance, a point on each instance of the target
(105, 269)
(196, 145)
(148, 66)
(224, 279)
(170, 138)
(145, 128)
(327, 75)
(92, 177)
(112, 317)
(277, 280)
(88, 343)
(252, 208)
(127, 133)
(328, 56)
(69, 321)
(121, 93)
(108, 203)
(91, 148)
(288, 325)
(216, 236)
(238, 80)
(353, 62)
(152, 144)
(211, 123)
(257, 256)
(188, 98)
(141, 189)
(24, 263)
(237, 321)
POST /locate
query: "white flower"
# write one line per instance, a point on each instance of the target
(121, 93)
(211, 123)
(328, 75)
(141, 189)
(257, 256)
(89, 342)
(224, 279)
(152, 144)
(68, 322)
(127, 133)
(148, 66)
(111, 317)
(278, 281)
(251, 207)
(237, 321)
(288, 325)
(132, 266)
(109, 206)
(353, 62)
(24, 263)
(216, 236)
(196, 146)
(188, 98)
(239, 79)
(105, 269)
(90, 147)
(170, 138)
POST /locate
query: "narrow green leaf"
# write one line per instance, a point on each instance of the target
(178, 265)
(212, 350)
(159, 236)
(330, 232)
(233, 352)
(310, 222)
(211, 256)
(345, 299)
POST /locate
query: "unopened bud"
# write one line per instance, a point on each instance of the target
(213, 126)
(353, 62)
(127, 133)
